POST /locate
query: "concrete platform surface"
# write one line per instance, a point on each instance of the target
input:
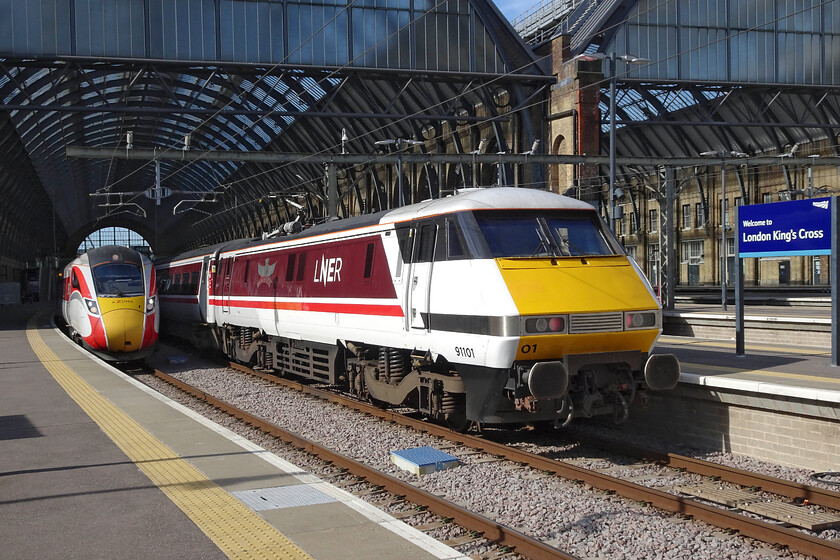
(95, 465)
(769, 369)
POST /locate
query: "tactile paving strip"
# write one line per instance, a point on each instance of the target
(237, 531)
(280, 497)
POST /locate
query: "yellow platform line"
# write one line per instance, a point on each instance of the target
(237, 530)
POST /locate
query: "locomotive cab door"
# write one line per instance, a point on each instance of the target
(420, 276)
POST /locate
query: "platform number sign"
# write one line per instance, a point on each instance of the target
(781, 229)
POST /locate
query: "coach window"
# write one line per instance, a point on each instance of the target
(194, 283)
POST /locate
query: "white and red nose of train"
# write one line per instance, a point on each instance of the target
(111, 325)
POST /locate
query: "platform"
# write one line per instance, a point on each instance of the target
(793, 325)
(780, 402)
(93, 464)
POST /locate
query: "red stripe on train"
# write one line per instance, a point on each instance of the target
(350, 308)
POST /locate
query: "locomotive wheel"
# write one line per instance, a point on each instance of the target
(377, 403)
(457, 421)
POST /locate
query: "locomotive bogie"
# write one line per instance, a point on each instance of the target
(501, 305)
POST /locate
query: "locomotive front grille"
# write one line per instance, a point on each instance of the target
(596, 322)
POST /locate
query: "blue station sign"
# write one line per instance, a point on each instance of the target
(778, 229)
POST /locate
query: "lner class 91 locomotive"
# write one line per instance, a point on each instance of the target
(110, 303)
(496, 305)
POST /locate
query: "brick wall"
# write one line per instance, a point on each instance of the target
(791, 432)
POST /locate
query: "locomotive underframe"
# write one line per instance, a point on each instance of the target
(602, 384)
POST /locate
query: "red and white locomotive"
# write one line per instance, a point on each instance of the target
(495, 305)
(110, 303)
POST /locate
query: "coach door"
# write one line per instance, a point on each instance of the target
(227, 280)
(420, 283)
(204, 289)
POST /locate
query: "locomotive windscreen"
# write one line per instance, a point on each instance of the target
(519, 234)
(118, 279)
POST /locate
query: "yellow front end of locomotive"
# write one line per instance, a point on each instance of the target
(580, 287)
(123, 320)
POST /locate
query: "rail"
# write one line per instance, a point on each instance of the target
(750, 527)
(522, 544)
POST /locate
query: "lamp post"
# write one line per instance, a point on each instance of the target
(399, 143)
(612, 58)
(722, 154)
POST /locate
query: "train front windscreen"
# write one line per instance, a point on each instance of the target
(118, 280)
(516, 234)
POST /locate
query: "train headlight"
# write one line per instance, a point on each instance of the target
(93, 309)
(550, 324)
(640, 320)
(150, 304)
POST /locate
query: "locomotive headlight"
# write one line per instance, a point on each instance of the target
(93, 309)
(640, 320)
(150, 304)
(552, 324)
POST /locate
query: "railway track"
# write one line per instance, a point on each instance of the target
(506, 537)
(698, 507)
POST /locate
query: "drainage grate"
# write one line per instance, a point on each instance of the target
(281, 497)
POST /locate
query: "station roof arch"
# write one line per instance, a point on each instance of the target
(255, 75)
(750, 77)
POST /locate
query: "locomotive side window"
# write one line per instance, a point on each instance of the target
(369, 261)
(301, 266)
(404, 240)
(454, 243)
(426, 250)
(290, 268)
(76, 281)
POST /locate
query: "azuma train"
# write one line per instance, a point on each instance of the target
(110, 303)
(499, 305)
